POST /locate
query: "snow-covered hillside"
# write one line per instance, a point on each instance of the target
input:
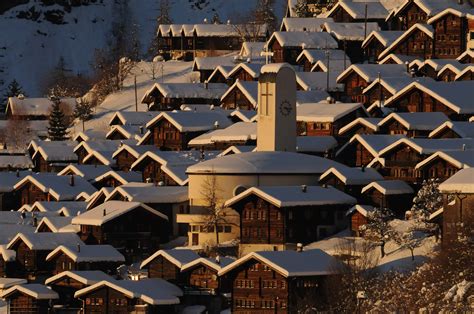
(30, 49)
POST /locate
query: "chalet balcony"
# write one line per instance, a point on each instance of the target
(400, 163)
(199, 291)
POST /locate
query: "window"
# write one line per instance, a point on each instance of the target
(227, 229)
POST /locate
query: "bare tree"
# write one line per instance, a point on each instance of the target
(17, 133)
(378, 228)
(410, 239)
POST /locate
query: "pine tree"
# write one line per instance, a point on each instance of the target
(164, 13)
(216, 19)
(83, 112)
(301, 9)
(13, 90)
(57, 129)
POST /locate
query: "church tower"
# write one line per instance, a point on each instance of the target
(276, 130)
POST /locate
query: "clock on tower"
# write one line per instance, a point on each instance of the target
(276, 108)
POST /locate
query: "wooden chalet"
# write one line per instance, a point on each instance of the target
(245, 72)
(116, 178)
(360, 126)
(24, 108)
(99, 152)
(29, 298)
(466, 57)
(359, 76)
(206, 65)
(276, 217)
(443, 165)
(130, 296)
(133, 228)
(174, 130)
(277, 281)
(316, 119)
(85, 257)
(453, 129)
(56, 224)
(349, 180)
(127, 132)
(170, 96)
(458, 201)
(126, 155)
(220, 74)
(8, 199)
(467, 74)
(240, 133)
(308, 59)
(167, 264)
(352, 12)
(376, 42)
(241, 95)
(53, 156)
(88, 172)
(67, 283)
(393, 194)
(433, 67)
(129, 118)
(450, 71)
(7, 262)
(424, 96)
(412, 124)
(32, 250)
(287, 46)
(358, 216)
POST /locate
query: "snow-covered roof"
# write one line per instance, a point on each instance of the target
(135, 150)
(126, 131)
(389, 187)
(335, 66)
(305, 40)
(248, 88)
(175, 158)
(178, 257)
(45, 241)
(251, 49)
(88, 172)
(132, 117)
(121, 176)
(37, 106)
(56, 151)
(251, 68)
(303, 24)
(460, 159)
(318, 80)
(155, 291)
(310, 96)
(350, 31)
(6, 283)
(461, 182)
(193, 121)
(439, 64)
(186, 90)
(315, 55)
(315, 144)
(290, 196)
(370, 72)
(425, 121)
(291, 263)
(244, 115)
(98, 196)
(455, 67)
(237, 132)
(362, 209)
(58, 224)
(401, 59)
(209, 262)
(216, 30)
(454, 95)
(429, 146)
(34, 290)
(386, 38)
(86, 277)
(15, 162)
(88, 253)
(210, 63)
(353, 176)
(357, 9)
(433, 7)
(467, 53)
(222, 69)
(60, 187)
(464, 71)
(264, 163)
(395, 84)
(238, 149)
(462, 128)
(103, 149)
(150, 193)
(110, 210)
(371, 123)
(374, 143)
(7, 255)
(425, 28)
(324, 112)
(68, 208)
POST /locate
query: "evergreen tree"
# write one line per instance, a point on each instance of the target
(83, 112)
(301, 9)
(427, 200)
(164, 13)
(13, 90)
(264, 14)
(57, 129)
(216, 19)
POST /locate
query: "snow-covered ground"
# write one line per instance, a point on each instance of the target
(30, 49)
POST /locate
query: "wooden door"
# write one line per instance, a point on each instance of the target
(195, 239)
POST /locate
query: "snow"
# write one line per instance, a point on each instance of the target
(461, 182)
(210, 63)
(462, 128)
(6, 283)
(386, 38)
(237, 132)
(16, 162)
(374, 143)
(291, 263)
(264, 163)
(186, 90)
(370, 72)
(310, 96)
(292, 196)
(178, 257)
(315, 144)
(460, 159)
(88, 172)
(7, 256)
(315, 55)
(362, 209)
(353, 176)
(133, 118)
(193, 121)
(423, 121)
(110, 210)
(375, 9)
(121, 176)
(45, 241)
(427, 29)
(350, 31)
(458, 291)
(371, 123)
(324, 112)
(303, 24)
(389, 187)
(88, 253)
(429, 146)
(86, 277)
(209, 262)
(58, 224)
(150, 193)
(56, 151)
(306, 40)
(37, 291)
(318, 80)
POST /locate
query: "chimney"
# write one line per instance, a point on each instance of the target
(363, 168)
(71, 180)
(104, 213)
(463, 147)
(460, 2)
(407, 65)
(35, 222)
(21, 96)
(218, 259)
(141, 129)
(299, 247)
(206, 84)
(216, 125)
(304, 188)
(148, 180)
(78, 248)
(17, 173)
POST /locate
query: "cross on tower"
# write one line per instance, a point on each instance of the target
(264, 98)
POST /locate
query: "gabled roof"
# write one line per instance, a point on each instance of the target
(177, 257)
(386, 38)
(238, 149)
(45, 241)
(110, 210)
(401, 59)
(425, 28)
(389, 187)
(304, 40)
(303, 24)
(353, 176)
(90, 135)
(318, 80)
(350, 31)
(37, 106)
(461, 182)
(154, 291)
(135, 150)
(370, 72)
(244, 115)
(371, 123)
(209, 262)
(237, 132)
(438, 64)
(6, 283)
(34, 290)
(249, 89)
(94, 198)
(102, 149)
(222, 69)
(186, 90)
(9, 179)
(424, 121)
(364, 210)
(150, 193)
(58, 224)
(324, 112)
(88, 253)
(455, 67)
(193, 121)
(356, 9)
(466, 53)
(429, 146)
(210, 63)
(292, 196)
(58, 186)
(467, 69)
(176, 158)
(462, 128)
(88, 172)
(65, 207)
(253, 69)
(315, 55)
(251, 49)
(460, 159)
(458, 11)
(454, 95)
(315, 144)
(374, 143)
(395, 84)
(56, 151)
(121, 176)
(86, 277)
(310, 96)
(133, 118)
(431, 7)
(291, 263)
(127, 131)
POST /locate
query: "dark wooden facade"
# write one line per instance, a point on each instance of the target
(417, 44)
(63, 262)
(22, 303)
(398, 203)
(151, 172)
(357, 221)
(354, 85)
(457, 209)
(393, 126)
(166, 136)
(373, 49)
(66, 287)
(316, 128)
(400, 164)
(284, 54)
(355, 155)
(31, 263)
(437, 168)
(236, 99)
(29, 193)
(450, 36)
(160, 267)
(408, 16)
(124, 160)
